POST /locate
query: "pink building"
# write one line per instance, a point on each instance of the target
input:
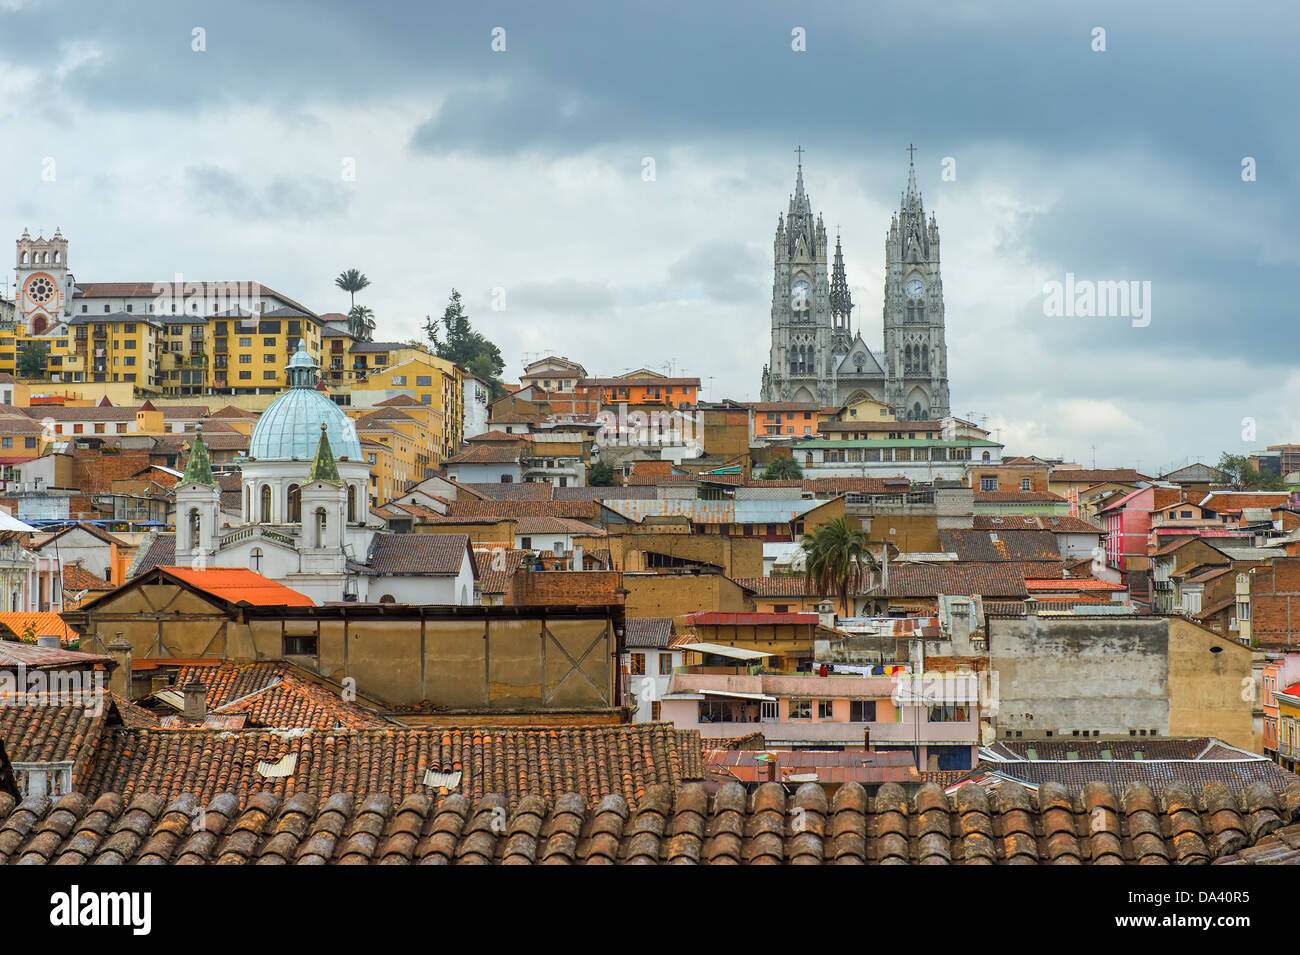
(936, 717)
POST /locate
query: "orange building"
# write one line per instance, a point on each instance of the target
(643, 387)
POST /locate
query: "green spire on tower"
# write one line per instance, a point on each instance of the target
(323, 467)
(198, 470)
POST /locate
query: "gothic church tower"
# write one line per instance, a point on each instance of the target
(803, 330)
(916, 354)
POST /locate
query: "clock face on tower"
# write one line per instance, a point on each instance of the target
(40, 289)
(915, 289)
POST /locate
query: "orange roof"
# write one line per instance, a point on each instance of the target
(241, 585)
(1070, 583)
(42, 623)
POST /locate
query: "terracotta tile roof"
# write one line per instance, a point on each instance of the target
(582, 510)
(1005, 579)
(295, 703)
(496, 567)
(1056, 523)
(426, 555)
(1018, 545)
(14, 654)
(648, 632)
(513, 762)
(664, 825)
(592, 493)
(135, 717)
(240, 585)
(1016, 497)
(41, 622)
(556, 525)
(1072, 583)
(527, 491)
(159, 551)
(790, 586)
(1097, 475)
(47, 734)
(485, 454)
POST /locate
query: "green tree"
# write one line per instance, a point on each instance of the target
(783, 469)
(838, 560)
(1244, 476)
(600, 474)
(460, 344)
(32, 359)
(360, 320)
(352, 281)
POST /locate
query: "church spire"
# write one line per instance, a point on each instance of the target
(323, 467)
(841, 299)
(198, 470)
(912, 199)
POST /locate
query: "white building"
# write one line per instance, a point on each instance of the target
(305, 517)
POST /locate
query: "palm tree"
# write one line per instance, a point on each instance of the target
(838, 558)
(783, 469)
(352, 281)
(360, 320)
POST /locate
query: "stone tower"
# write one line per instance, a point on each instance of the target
(916, 355)
(44, 288)
(800, 363)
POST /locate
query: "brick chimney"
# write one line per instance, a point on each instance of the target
(121, 651)
(196, 701)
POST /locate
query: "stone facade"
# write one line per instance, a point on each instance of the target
(816, 356)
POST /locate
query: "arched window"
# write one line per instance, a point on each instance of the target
(255, 560)
(266, 504)
(352, 503)
(196, 524)
(56, 258)
(321, 520)
(294, 509)
(387, 599)
(23, 258)
(985, 457)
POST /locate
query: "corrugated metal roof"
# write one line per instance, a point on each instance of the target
(776, 511)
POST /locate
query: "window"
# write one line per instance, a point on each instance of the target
(399, 381)
(43, 779)
(29, 442)
(862, 711)
(1024, 484)
(801, 709)
(268, 359)
(655, 710)
(768, 711)
(268, 376)
(665, 663)
(526, 543)
(266, 504)
(268, 343)
(426, 399)
(825, 709)
(301, 646)
(246, 343)
(638, 664)
(988, 484)
(423, 381)
(6, 443)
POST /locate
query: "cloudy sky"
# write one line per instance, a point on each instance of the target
(522, 170)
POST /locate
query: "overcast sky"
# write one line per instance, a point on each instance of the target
(522, 170)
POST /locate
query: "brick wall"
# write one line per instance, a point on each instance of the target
(568, 588)
(1275, 603)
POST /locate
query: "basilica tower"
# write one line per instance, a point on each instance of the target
(916, 354)
(799, 366)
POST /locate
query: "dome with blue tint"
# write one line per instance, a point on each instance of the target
(289, 429)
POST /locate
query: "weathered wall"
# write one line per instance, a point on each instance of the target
(672, 595)
(1211, 686)
(1065, 674)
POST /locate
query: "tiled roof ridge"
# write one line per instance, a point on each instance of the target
(666, 825)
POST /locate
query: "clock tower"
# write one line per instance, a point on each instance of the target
(916, 354)
(44, 290)
(800, 367)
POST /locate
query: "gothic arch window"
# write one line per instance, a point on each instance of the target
(321, 520)
(255, 560)
(387, 599)
(294, 501)
(925, 358)
(56, 258)
(22, 259)
(915, 313)
(266, 504)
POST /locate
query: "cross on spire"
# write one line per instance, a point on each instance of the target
(799, 151)
(911, 152)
